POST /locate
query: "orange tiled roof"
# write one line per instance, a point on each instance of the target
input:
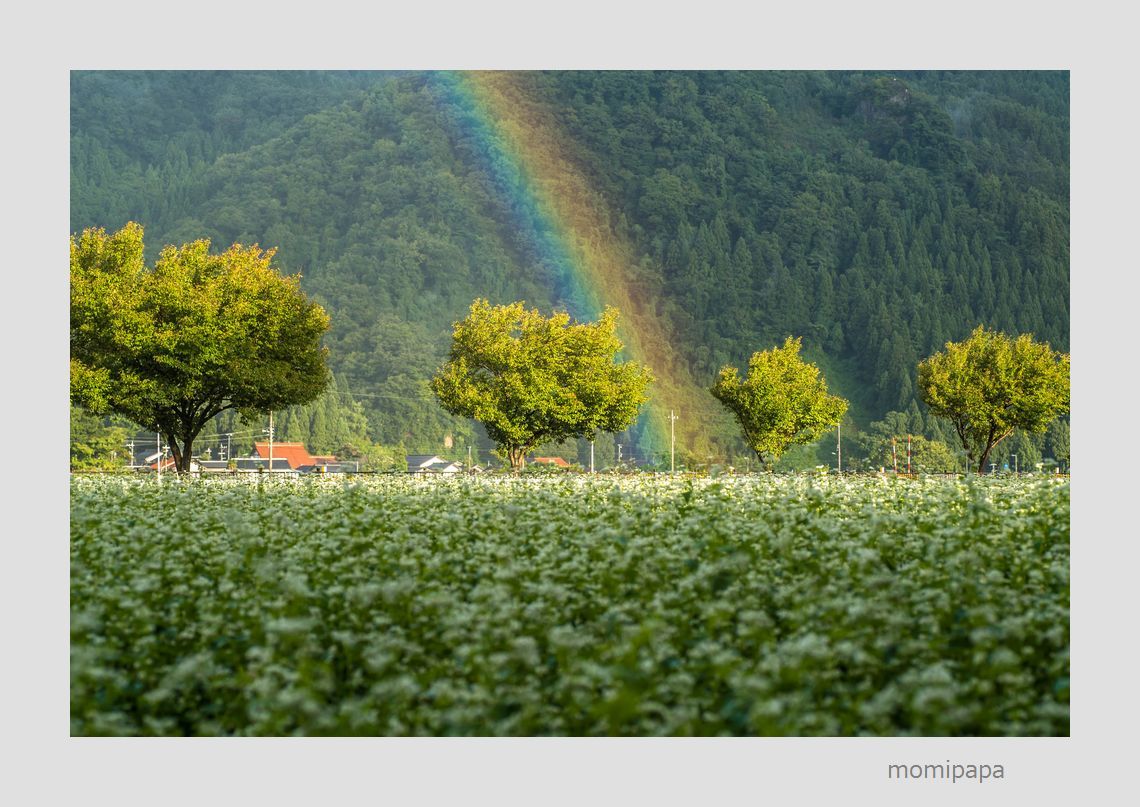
(296, 454)
(561, 463)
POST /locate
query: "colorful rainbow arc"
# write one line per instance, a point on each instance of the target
(568, 226)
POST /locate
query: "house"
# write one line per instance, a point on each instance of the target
(432, 464)
(323, 466)
(555, 461)
(255, 464)
(299, 459)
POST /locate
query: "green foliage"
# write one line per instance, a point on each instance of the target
(530, 379)
(877, 213)
(990, 385)
(926, 456)
(95, 445)
(884, 443)
(1057, 440)
(391, 363)
(171, 347)
(571, 605)
(1023, 452)
(783, 401)
(328, 424)
(373, 457)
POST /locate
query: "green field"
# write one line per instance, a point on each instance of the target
(570, 606)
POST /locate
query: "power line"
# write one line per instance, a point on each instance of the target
(219, 436)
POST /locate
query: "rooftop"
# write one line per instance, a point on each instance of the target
(295, 453)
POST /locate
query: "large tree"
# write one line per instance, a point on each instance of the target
(783, 402)
(531, 379)
(170, 347)
(990, 384)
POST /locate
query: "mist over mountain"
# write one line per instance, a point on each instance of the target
(877, 215)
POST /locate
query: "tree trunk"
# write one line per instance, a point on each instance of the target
(516, 456)
(175, 452)
(182, 454)
(995, 439)
(187, 456)
(982, 462)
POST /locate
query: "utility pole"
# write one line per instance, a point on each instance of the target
(469, 465)
(1014, 464)
(270, 442)
(131, 448)
(908, 454)
(591, 456)
(894, 456)
(619, 454)
(672, 441)
(158, 462)
(839, 450)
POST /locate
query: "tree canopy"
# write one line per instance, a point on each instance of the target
(171, 347)
(783, 401)
(531, 379)
(991, 384)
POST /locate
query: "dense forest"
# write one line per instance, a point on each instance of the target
(877, 215)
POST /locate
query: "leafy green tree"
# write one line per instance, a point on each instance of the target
(990, 384)
(171, 347)
(783, 402)
(531, 379)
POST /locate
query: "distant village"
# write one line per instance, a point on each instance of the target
(294, 459)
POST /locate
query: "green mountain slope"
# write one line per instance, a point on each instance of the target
(877, 215)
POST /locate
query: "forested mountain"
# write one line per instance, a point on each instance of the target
(877, 215)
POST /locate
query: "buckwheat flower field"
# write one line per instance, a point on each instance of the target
(570, 605)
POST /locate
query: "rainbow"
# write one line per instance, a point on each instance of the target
(572, 233)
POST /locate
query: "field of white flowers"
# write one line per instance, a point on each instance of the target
(570, 606)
